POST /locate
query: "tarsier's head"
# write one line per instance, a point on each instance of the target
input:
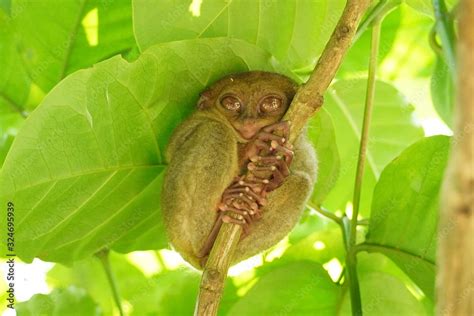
(250, 100)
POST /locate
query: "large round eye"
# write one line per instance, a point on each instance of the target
(270, 104)
(231, 103)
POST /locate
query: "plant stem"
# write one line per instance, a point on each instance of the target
(351, 259)
(369, 102)
(104, 259)
(380, 10)
(321, 210)
(445, 29)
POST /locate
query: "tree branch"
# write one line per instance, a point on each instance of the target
(310, 96)
(305, 104)
(455, 278)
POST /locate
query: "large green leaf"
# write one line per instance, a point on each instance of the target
(14, 81)
(296, 288)
(70, 301)
(392, 129)
(60, 37)
(405, 210)
(295, 32)
(85, 170)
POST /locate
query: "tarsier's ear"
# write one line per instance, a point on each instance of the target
(204, 100)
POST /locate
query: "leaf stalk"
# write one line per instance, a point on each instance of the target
(103, 256)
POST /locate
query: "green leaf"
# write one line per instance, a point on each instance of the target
(60, 37)
(392, 129)
(70, 301)
(320, 247)
(322, 135)
(442, 91)
(14, 81)
(295, 32)
(85, 170)
(383, 290)
(89, 274)
(296, 288)
(154, 295)
(9, 125)
(405, 210)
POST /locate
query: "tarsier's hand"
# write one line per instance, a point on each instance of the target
(269, 157)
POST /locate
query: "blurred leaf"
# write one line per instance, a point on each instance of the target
(392, 129)
(70, 301)
(60, 37)
(297, 288)
(5, 5)
(383, 290)
(322, 135)
(442, 91)
(357, 58)
(320, 247)
(156, 295)
(410, 55)
(89, 274)
(309, 223)
(295, 32)
(85, 170)
(405, 210)
(14, 81)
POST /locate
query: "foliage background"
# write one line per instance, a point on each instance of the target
(90, 91)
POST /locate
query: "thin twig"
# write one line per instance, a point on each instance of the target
(321, 210)
(305, 104)
(351, 259)
(445, 29)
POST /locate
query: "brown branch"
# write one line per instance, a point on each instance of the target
(310, 96)
(455, 279)
(305, 104)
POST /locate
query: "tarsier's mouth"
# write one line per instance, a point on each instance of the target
(247, 133)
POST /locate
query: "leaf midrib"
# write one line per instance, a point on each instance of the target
(89, 173)
(374, 247)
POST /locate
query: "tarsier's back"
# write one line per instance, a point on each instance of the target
(211, 148)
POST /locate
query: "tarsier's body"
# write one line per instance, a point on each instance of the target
(211, 148)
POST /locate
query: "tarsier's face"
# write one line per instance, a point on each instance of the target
(250, 100)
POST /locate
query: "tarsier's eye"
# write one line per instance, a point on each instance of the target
(231, 103)
(270, 104)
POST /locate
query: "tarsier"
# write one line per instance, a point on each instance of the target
(236, 130)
